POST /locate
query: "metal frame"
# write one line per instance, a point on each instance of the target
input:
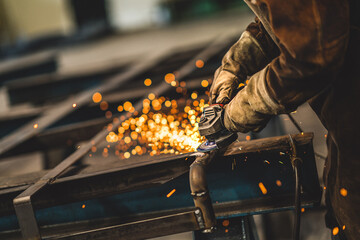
(161, 170)
(148, 228)
(23, 203)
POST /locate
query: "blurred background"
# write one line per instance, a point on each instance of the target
(39, 24)
(70, 68)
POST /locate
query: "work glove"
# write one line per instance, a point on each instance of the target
(243, 59)
(252, 107)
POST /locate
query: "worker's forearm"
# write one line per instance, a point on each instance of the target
(312, 44)
(252, 52)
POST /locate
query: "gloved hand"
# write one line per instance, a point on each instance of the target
(243, 59)
(252, 107)
(224, 86)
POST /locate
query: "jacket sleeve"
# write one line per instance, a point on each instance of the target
(252, 52)
(312, 38)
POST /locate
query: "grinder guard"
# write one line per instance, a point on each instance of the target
(211, 126)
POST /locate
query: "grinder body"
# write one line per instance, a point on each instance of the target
(211, 126)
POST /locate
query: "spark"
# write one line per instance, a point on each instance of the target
(248, 138)
(83, 206)
(126, 154)
(151, 96)
(147, 82)
(335, 231)
(278, 183)
(241, 85)
(171, 193)
(194, 95)
(199, 63)
(74, 105)
(343, 227)
(36, 125)
(262, 188)
(111, 137)
(108, 114)
(172, 132)
(127, 106)
(302, 210)
(266, 161)
(226, 223)
(167, 103)
(343, 192)
(204, 83)
(104, 105)
(169, 77)
(96, 97)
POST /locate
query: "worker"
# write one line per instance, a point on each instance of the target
(295, 52)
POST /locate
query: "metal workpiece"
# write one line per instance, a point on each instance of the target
(26, 218)
(133, 191)
(25, 213)
(199, 189)
(143, 229)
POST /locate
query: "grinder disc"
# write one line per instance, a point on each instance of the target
(207, 146)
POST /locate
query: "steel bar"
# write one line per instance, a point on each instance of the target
(222, 210)
(91, 185)
(148, 228)
(24, 199)
(34, 64)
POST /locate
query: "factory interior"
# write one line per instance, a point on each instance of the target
(100, 102)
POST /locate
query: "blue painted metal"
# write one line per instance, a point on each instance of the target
(229, 179)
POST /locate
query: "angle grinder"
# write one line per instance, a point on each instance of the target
(212, 127)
